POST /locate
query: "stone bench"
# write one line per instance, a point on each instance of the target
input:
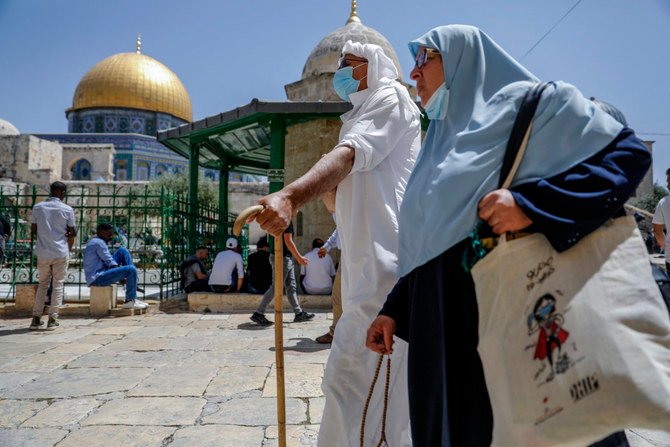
(227, 302)
(102, 302)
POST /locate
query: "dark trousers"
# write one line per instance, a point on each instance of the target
(199, 285)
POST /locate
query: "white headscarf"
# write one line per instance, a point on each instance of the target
(380, 67)
(382, 72)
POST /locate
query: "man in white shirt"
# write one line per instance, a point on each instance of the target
(221, 279)
(53, 224)
(317, 276)
(367, 171)
(661, 222)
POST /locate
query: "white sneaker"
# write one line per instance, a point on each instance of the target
(133, 304)
(137, 300)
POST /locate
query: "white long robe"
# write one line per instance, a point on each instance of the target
(385, 131)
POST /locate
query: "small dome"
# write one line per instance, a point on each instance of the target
(134, 81)
(323, 58)
(611, 110)
(7, 129)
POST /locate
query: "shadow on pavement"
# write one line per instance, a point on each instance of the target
(20, 330)
(305, 345)
(253, 327)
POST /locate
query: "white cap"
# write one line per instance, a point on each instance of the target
(231, 242)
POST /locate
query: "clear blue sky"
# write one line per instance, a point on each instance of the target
(228, 52)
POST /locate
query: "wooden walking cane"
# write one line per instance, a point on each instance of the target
(279, 328)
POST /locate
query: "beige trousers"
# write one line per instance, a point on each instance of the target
(48, 269)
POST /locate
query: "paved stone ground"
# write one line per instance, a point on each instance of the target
(178, 380)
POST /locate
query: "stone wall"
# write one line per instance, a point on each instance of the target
(242, 195)
(101, 157)
(320, 88)
(28, 159)
(317, 88)
(305, 144)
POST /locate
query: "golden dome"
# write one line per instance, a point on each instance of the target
(134, 81)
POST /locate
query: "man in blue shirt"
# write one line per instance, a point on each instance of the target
(103, 269)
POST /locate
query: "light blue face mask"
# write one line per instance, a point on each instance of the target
(344, 82)
(436, 107)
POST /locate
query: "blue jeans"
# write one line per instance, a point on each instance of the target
(126, 270)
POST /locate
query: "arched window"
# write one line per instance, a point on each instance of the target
(142, 171)
(80, 170)
(160, 170)
(121, 170)
(298, 224)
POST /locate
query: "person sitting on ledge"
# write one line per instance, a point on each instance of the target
(194, 276)
(259, 269)
(317, 276)
(228, 269)
(102, 269)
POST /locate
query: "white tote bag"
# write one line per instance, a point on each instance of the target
(575, 345)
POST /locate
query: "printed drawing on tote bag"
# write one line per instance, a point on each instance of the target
(550, 341)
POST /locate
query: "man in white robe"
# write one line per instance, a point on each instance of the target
(369, 169)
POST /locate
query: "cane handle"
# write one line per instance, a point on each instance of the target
(244, 216)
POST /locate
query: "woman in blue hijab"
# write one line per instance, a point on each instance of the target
(580, 166)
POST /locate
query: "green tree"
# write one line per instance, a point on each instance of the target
(208, 192)
(648, 201)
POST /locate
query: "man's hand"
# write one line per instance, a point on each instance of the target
(380, 335)
(276, 216)
(322, 252)
(499, 209)
(302, 260)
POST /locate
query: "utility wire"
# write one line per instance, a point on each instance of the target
(550, 30)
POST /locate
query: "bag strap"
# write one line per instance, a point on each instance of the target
(518, 139)
(516, 147)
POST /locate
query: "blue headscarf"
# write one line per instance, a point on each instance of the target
(462, 154)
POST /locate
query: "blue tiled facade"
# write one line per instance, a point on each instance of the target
(113, 120)
(139, 156)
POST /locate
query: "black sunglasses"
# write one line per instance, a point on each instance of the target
(422, 57)
(344, 62)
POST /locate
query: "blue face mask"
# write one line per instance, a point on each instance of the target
(436, 107)
(546, 310)
(344, 82)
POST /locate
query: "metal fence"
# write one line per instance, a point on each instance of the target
(152, 223)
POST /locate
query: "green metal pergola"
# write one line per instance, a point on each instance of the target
(248, 139)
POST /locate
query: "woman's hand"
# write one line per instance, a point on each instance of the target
(380, 335)
(499, 209)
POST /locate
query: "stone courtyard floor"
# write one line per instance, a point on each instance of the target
(177, 380)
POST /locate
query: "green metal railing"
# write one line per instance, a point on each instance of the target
(152, 223)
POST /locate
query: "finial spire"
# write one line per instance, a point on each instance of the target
(139, 43)
(353, 17)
